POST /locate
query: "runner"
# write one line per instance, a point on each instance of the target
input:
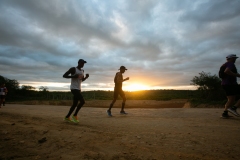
(77, 76)
(118, 79)
(230, 86)
(6, 92)
(3, 93)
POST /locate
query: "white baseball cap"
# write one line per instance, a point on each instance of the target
(231, 56)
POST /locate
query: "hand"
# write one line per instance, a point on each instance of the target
(127, 78)
(87, 75)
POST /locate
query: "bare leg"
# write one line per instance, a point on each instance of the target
(123, 103)
(111, 105)
(237, 104)
(230, 102)
(3, 102)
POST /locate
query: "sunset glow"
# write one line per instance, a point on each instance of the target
(136, 87)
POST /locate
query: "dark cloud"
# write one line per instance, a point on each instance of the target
(163, 43)
(213, 11)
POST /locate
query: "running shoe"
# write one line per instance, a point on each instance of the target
(123, 112)
(225, 115)
(67, 119)
(109, 113)
(75, 119)
(233, 111)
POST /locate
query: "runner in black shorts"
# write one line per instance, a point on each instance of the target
(230, 86)
(231, 90)
(118, 79)
(77, 77)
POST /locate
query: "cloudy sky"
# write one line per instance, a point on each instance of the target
(163, 43)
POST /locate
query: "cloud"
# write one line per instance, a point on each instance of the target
(162, 43)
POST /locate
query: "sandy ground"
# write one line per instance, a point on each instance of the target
(39, 132)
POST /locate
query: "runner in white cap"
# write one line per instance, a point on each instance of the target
(229, 84)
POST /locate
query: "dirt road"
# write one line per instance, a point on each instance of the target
(39, 132)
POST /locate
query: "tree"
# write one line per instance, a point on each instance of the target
(11, 85)
(27, 88)
(206, 81)
(43, 89)
(209, 85)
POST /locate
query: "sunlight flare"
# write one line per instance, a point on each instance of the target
(135, 87)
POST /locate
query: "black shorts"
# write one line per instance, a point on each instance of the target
(118, 91)
(231, 90)
(2, 96)
(77, 95)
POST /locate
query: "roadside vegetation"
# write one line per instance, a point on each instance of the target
(209, 92)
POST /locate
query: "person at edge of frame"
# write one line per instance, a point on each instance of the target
(3, 93)
(230, 86)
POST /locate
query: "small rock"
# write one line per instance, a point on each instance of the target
(44, 139)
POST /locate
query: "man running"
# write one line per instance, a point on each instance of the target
(118, 79)
(77, 76)
(3, 93)
(230, 86)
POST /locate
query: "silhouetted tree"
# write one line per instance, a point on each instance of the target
(43, 89)
(206, 81)
(27, 88)
(209, 85)
(11, 85)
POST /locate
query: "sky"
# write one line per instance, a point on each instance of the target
(162, 43)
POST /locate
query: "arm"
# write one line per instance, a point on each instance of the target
(120, 78)
(84, 78)
(229, 72)
(126, 79)
(70, 71)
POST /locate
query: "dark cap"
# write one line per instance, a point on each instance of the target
(81, 60)
(123, 67)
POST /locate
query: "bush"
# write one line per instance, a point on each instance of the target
(209, 86)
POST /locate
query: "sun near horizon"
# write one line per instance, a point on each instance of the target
(136, 87)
